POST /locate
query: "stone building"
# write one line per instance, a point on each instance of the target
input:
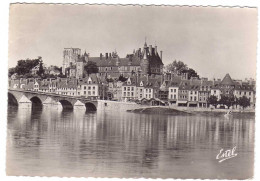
(144, 61)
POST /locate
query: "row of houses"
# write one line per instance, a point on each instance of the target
(179, 91)
(88, 87)
(174, 90)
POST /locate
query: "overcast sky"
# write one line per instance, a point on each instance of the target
(213, 41)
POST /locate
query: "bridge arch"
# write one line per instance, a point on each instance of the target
(36, 101)
(12, 100)
(66, 104)
(90, 106)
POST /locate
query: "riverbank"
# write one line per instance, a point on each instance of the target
(137, 108)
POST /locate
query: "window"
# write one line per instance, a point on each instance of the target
(125, 88)
(89, 88)
(132, 94)
(132, 88)
(250, 93)
(174, 96)
(171, 96)
(85, 87)
(89, 92)
(124, 93)
(84, 92)
(93, 92)
(128, 88)
(93, 87)
(174, 90)
(171, 90)
(191, 92)
(128, 94)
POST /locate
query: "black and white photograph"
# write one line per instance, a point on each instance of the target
(131, 91)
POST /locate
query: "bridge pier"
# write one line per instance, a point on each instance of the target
(24, 102)
(50, 103)
(79, 105)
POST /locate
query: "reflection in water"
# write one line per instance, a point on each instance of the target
(119, 144)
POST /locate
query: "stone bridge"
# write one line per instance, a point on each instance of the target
(32, 98)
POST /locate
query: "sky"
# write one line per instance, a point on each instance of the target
(211, 40)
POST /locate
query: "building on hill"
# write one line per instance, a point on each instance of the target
(144, 61)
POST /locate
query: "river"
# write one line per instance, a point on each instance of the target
(114, 143)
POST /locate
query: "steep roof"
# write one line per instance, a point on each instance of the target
(227, 80)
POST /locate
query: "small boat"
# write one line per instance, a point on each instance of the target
(228, 114)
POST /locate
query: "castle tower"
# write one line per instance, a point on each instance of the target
(144, 61)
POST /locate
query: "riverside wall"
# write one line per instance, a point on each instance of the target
(116, 105)
(124, 106)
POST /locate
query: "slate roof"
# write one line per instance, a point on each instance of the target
(243, 87)
(227, 80)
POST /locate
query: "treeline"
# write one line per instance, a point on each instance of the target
(229, 101)
(24, 67)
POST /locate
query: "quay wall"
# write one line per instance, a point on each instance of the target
(116, 105)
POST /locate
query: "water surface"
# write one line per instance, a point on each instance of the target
(114, 143)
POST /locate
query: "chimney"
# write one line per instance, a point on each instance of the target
(150, 50)
(161, 54)
(155, 50)
(106, 55)
(101, 56)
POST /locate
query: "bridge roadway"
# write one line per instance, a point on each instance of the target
(24, 97)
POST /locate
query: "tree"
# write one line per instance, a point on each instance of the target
(213, 100)
(236, 101)
(227, 100)
(244, 102)
(176, 66)
(11, 71)
(122, 78)
(191, 73)
(41, 70)
(24, 66)
(91, 67)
